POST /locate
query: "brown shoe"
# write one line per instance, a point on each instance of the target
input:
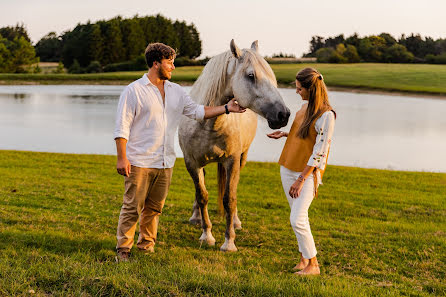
(122, 256)
(148, 250)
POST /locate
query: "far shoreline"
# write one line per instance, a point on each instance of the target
(359, 90)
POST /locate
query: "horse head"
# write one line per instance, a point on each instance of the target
(253, 84)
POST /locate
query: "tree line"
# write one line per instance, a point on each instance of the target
(383, 48)
(118, 40)
(115, 44)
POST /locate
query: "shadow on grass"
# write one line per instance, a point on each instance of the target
(53, 242)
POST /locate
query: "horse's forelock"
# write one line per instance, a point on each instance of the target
(252, 59)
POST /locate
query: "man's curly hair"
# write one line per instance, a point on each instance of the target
(155, 52)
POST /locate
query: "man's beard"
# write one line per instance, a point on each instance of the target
(163, 75)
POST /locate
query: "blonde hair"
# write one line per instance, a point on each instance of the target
(318, 102)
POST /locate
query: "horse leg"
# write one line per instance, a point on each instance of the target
(196, 214)
(201, 199)
(237, 222)
(230, 203)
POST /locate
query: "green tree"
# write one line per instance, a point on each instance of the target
(49, 48)
(95, 43)
(75, 67)
(113, 47)
(351, 54)
(371, 48)
(76, 45)
(316, 43)
(18, 31)
(389, 39)
(5, 56)
(94, 67)
(132, 38)
(60, 68)
(353, 40)
(398, 53)
(323, 54)
(414, 44)
(22, 53)
(15, 50)
(196, 42)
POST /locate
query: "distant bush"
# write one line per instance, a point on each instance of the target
(438, 59)
(37, 69)
(94, 67)
(134, 65)
(283, 55)
(184, 61)
(323, 54)
(75, 68)
(60, 68)
(397, 53)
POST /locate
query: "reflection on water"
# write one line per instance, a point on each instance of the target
(378, 131)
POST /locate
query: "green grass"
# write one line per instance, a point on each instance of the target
(378, 233)
(412, 78)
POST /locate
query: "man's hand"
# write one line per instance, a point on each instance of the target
(277, 134)
(123, 167)
(233, 106)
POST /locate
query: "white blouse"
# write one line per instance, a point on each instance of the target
(324, 127)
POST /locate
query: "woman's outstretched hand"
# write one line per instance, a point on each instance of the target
(277, 134)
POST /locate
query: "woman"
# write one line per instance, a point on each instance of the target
(303, 160)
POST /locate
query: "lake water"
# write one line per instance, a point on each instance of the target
(372, 131)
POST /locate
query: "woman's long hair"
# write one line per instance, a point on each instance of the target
(318, 102)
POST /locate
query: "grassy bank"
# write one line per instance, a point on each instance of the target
(411, 78)
(378, 233)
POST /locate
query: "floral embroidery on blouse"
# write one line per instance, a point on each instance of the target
(324, 127)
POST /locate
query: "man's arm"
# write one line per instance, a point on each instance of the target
(213, 111)
(123, 165)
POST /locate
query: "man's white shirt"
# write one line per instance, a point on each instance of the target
(148, 125)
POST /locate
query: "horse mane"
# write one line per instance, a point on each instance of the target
(212, 82)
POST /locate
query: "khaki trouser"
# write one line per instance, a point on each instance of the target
(145, 193)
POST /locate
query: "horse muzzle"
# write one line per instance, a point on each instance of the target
(277, 117)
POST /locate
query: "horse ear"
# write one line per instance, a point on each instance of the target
(255, 45)
(235, 50)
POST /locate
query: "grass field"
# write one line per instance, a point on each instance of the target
(378, 233)
(412, 78)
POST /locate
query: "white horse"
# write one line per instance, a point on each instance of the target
(246, 76)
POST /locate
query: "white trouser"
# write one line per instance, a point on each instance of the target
(299, 210)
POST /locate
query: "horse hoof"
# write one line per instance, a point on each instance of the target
(208, 239)
(208, 242)
(228, 247)
(195, 221)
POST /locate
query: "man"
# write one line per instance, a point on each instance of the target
(148, 115)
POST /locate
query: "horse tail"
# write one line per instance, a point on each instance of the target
(221, 176)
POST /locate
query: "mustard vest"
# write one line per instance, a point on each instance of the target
(297, 151)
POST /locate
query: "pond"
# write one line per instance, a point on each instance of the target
(372, 131)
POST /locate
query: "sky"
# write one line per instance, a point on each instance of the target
(280, 25)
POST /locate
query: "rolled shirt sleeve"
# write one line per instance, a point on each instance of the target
(192, 109)
(324, 127)
(125, 114)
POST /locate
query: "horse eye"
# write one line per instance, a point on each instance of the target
(251, 76)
